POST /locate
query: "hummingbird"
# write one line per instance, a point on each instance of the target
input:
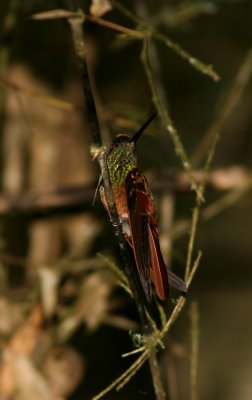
(136, 209)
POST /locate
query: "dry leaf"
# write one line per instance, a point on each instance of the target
(100, 7)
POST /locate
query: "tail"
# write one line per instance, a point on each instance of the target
(161, 276)
(176, 282)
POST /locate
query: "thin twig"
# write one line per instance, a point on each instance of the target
(57, 13)
(61, 13)
(116, 27)
(196, 63)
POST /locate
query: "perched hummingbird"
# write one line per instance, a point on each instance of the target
(136, 210)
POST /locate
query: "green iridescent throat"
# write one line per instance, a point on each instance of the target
(120, 162)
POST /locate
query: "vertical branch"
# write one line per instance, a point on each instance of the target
(100, 152)
(193, 229)
(77, 34)
(194, 317)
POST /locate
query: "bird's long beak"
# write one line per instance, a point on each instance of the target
(140, 131)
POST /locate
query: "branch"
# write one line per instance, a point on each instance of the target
(98, 151)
